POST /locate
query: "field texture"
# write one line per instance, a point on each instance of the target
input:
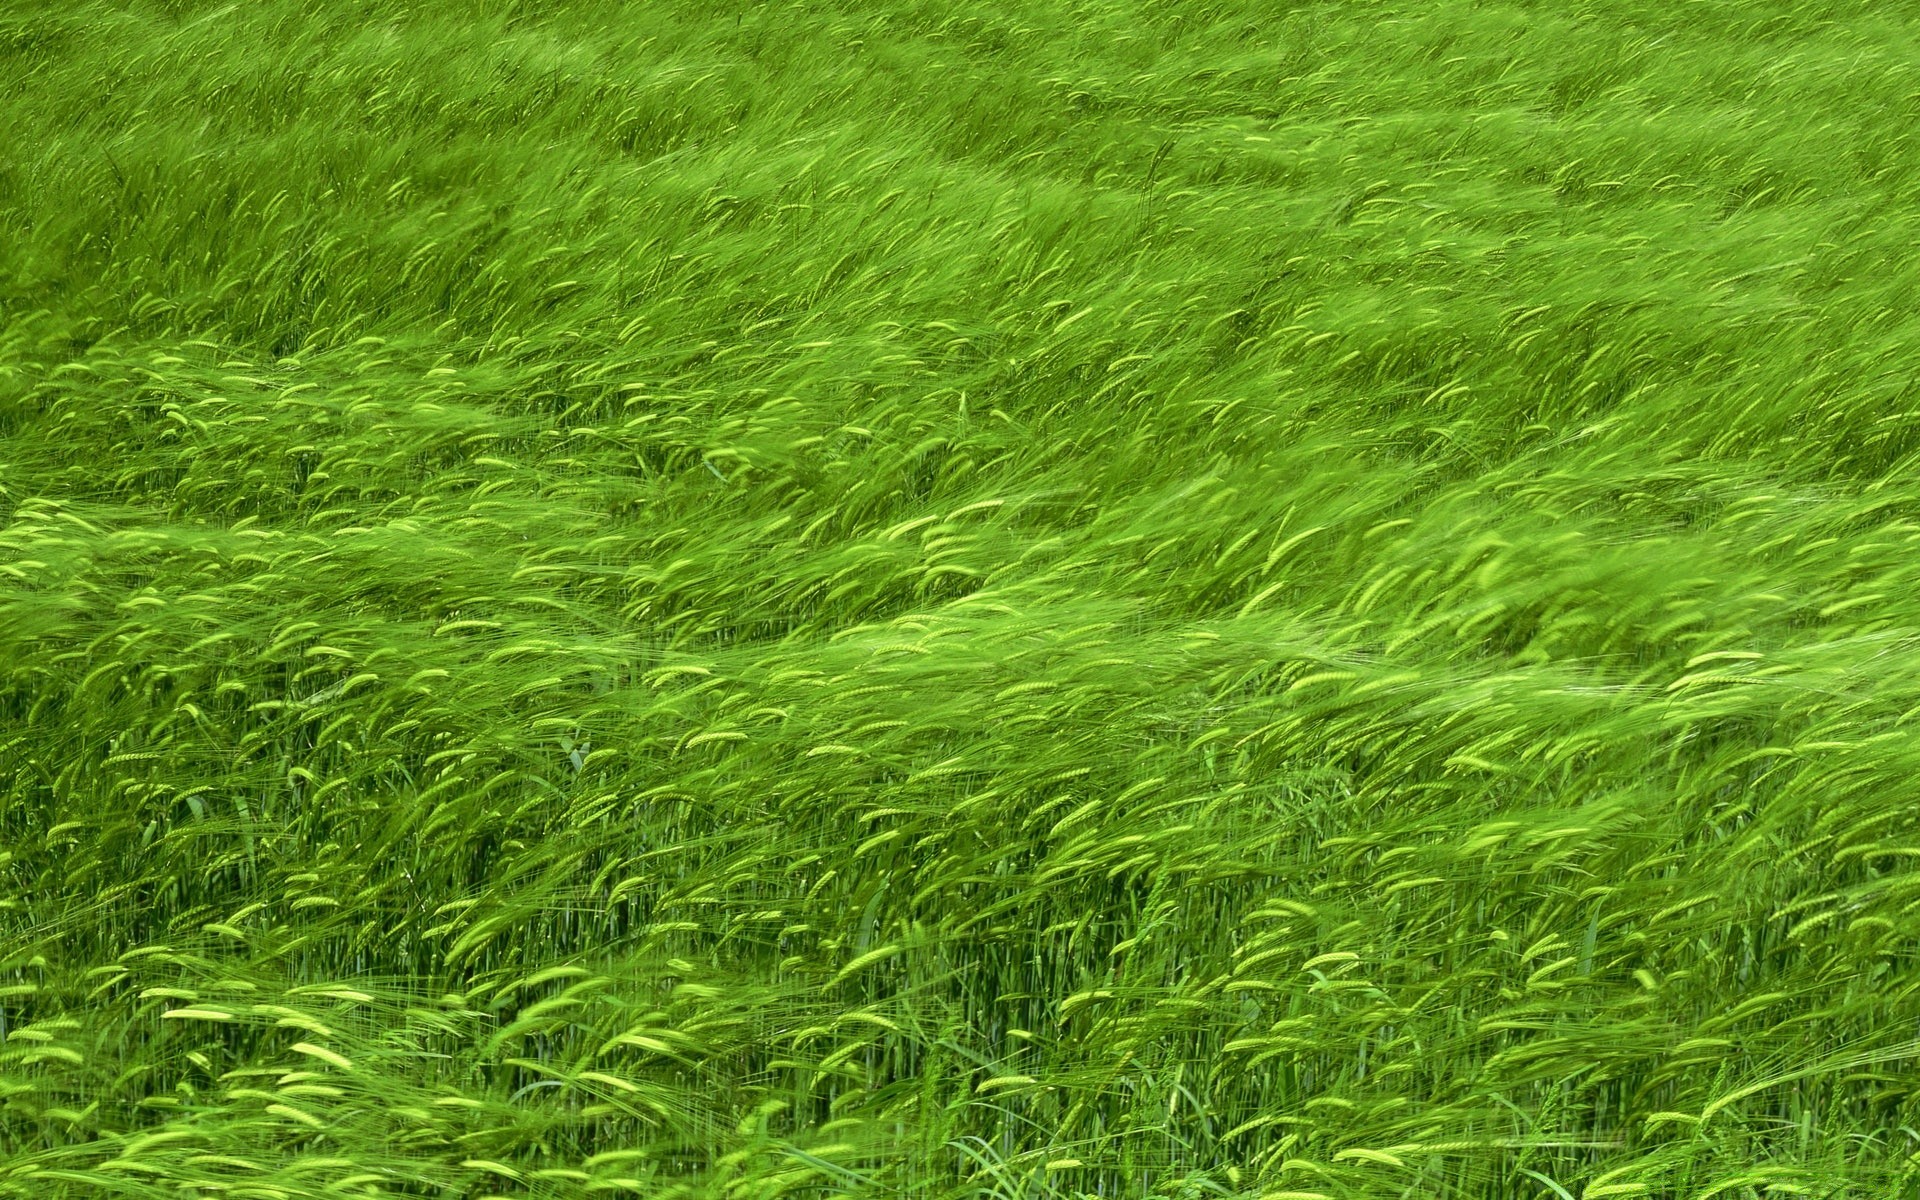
(1023, 600)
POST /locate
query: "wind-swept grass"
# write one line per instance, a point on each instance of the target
(1023, 600)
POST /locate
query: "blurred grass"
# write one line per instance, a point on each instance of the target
(1034, 601)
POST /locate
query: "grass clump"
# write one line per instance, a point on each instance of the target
(1031, 600)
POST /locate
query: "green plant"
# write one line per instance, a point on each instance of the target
(1035, 600)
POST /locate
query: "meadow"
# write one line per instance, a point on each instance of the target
(1055, 599)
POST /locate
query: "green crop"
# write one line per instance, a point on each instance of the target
(1024, 600)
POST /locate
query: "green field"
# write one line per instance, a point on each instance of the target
(1031, 600)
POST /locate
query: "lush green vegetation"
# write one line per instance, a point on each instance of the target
(1034, 599)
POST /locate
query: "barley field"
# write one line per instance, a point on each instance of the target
(1040, 600)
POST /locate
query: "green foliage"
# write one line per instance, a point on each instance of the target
(1023, 600)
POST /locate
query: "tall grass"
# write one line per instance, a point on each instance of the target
(954, 600)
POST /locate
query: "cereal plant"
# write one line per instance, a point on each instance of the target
(1038, 600)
